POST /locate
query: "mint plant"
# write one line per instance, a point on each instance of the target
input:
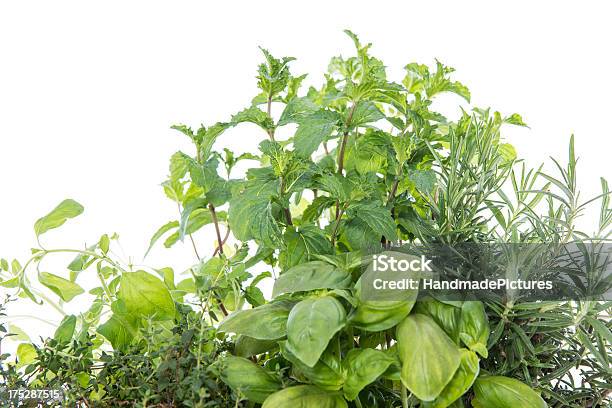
(368, 164)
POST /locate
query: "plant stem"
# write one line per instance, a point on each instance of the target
(358, 402)
(286, 210)
(195, 249)
(339, 214)
(269, 111)
(342, 150)
(404, 396)
(227, 232)
(213, 213)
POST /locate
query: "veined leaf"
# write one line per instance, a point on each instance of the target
(247, 378)
(363, 366)
(160, 232)
(58, 216)
(310, 276)
(63, 288)
(314, 130)
(504, 392)
(429, 357)
(145, 295)
(65, 330)
(265, 322)
(311, 325)
(305, 396)
(474, 327)
(461, 382)
(327, 373)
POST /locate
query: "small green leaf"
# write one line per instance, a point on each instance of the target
(26, 354)
(58, 216)
(145, 295)
(296, 110)
(265, 322)
(104, 244)
(504, 392)
(327, 373)
(429, 357)
(118, 330)
(314, 130)
(310, 276)
(474, 327)
(301, 244)
(254, 115)
(311, 325)
(160, 232)
(305, 396)
(461, 382)
(515, 119)
(63, 288)
(65, 330)
(365, 112)
(247, 378)
(363, 366)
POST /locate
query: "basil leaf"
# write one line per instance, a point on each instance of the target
(265, 322)
(305, 396)
(247, 378)
(504, 392)
(311, 325)
(429, 357)
(310, 276)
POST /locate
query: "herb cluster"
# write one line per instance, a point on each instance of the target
(368, 163)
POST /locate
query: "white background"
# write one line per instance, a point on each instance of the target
(88, 91)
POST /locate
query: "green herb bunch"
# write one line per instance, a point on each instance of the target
(367, 163)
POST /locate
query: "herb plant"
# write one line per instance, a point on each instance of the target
(360, 162)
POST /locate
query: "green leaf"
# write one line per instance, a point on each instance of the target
(296, 110)
(305, 396)
(254, 115)
(145, 295)
(429, 357)
(118, 330)
(17, 334)
(273, 76)
(265, 322)
(104, 243)
(26, 354)
(474, 327)
(63, 288)
(65, 330)
(363, 366)
(365, 112)
(160, 232)
(310, 276)
(446, 316)
(311, 325)
(250, 217)
(515, 119)
(377, 315)
(313, 130)
(327, 373)
(461, 382)
(504, 392)
(246, 346)
(58, 216)
(247, 378)
(301, 243)
(377, 218)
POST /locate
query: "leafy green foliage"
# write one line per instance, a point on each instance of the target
(369, 165)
